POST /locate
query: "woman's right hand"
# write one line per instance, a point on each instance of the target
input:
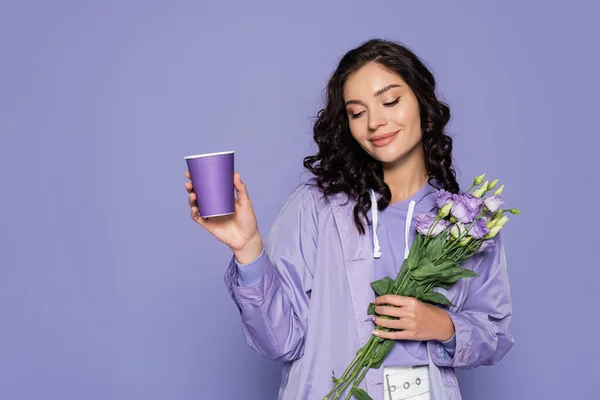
(239, 230)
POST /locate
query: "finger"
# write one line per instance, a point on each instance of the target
(392, 323)
(194, 214)
(240, 188)
(204, 222)
(398, 312)
(189, 187)
(192, 199)
(394, 335)
(187, 174)
(398, 301)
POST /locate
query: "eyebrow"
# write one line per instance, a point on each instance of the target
(376, 94)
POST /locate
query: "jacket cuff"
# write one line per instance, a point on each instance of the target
(251, 274)
(453, 352)
(250, 294)
(450, 345)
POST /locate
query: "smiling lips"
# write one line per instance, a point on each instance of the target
(383, 139)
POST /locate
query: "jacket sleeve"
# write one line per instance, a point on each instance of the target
(274, 306)
(481, 335)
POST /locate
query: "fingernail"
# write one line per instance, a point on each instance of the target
(376, 333)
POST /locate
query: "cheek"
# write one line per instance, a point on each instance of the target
(407, 115)
(357, 130)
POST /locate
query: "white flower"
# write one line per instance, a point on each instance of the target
(493, 203)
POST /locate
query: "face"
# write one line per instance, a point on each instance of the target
(383, 113)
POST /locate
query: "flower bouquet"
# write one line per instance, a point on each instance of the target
(464, 224)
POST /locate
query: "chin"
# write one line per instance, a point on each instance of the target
(388, 156)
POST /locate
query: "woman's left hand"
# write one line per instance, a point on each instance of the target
(416, 320)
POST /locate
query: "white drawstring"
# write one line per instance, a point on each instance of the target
(374, 209)
(376, 247)
(411, 209)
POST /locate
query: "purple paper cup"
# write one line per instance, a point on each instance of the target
(212, 177)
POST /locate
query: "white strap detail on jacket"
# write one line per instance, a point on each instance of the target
(376, 247)
(411, 209)
(374, 210)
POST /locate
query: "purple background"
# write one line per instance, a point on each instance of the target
(108, 290)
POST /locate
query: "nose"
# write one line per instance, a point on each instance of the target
(376, 120)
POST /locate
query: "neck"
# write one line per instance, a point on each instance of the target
(406, 176)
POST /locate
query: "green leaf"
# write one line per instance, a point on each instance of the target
(407, 266)
(417, 242)
(412, 260)
(371, 310)
(436, 298)
(413, 257)
(425, 271)
(424, 264)
(445, 285)
(453, 275)
(383, 286)
(360, 394)
(446, 271)
(381, 351)
(410, 291)
(436, 246)
(446, 264)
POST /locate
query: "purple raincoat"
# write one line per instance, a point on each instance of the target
(310, 307)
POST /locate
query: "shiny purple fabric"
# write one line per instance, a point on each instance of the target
(310, 307)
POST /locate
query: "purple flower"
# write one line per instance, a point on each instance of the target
(493, 203)
(486, 244)
(443, 198)
(466, 207)
(425, 221)
(474, 204)
(479, 229)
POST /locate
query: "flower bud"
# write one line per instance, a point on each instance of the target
(493, 232)
(478, 179)
(481, 191)
(493, 184)
(514, 211)
(445, 211)
(465, 241)
(499, 191)
(503, 220)
(456, 230)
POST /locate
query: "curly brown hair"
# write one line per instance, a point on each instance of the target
(341, 165)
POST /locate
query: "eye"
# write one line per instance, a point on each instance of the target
(354, 116)
(393, 103)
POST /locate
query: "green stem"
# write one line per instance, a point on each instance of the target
(471, 249)
(359, 379)
(467, 248)
(343, 380)
(427, 288)
(458, 239)
(358, 357)
(356, 371)
(353, 369)
(341, 390)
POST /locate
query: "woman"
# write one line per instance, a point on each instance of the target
(303, 297)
